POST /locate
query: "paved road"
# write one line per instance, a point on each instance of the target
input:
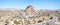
(51, 22)
(54, 21)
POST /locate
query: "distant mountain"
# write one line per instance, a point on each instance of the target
(57, 10)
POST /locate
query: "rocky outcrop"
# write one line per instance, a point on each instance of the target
(31, 11)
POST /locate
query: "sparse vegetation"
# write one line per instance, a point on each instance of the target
(47, 24)
(51, 17)
(39, 21)
(28, 16)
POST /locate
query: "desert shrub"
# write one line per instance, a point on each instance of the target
(39, 21)
(51, 17)
(47, 23)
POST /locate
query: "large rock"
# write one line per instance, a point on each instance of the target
(31, 11)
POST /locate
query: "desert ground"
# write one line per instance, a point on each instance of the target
(29, 16)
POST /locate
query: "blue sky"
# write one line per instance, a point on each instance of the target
(38, 4)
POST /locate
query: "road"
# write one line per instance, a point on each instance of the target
(50, 22)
